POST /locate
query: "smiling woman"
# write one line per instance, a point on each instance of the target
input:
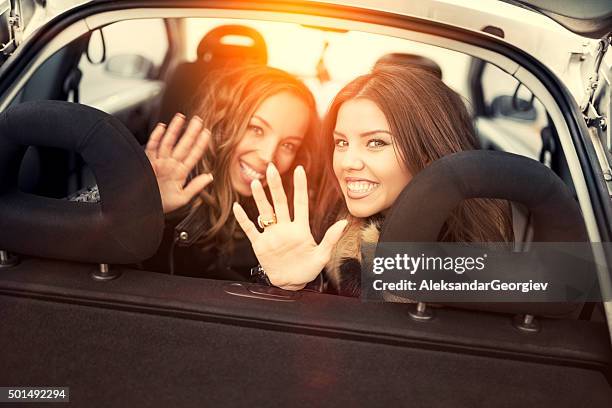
(388, 126)
(275, 132)
(244, 119)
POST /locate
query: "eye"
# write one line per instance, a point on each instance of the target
(258, 131)
(377, 143)
(340, 143)
(289, 146)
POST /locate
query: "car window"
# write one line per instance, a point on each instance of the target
(134, 51)
(345, 55)
(497, 82)
(515, 119)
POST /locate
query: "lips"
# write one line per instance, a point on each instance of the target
(249, 173)
(357, 188)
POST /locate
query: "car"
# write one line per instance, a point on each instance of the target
(77, 311)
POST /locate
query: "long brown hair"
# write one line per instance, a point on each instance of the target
(225, 102)
(428, 120)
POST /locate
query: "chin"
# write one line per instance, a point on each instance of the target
(363, 208)
(361, 211)
(242, 189)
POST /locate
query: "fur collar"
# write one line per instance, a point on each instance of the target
(359, 239)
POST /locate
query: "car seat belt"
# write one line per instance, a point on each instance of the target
(548, 146)
(71, 87)
(72, 82)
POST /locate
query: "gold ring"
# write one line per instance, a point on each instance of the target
(263, 223)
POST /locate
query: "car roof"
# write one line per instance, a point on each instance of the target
(532, 32)
(591, 18)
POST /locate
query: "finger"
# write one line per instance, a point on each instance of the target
(154, 139)
(332, 236)
(300, 196)
(263, 205)
(197, 184)
(183, 147)
(245, 223)
(293, 288)
(172, 133)
(278, 194)
(197, 150)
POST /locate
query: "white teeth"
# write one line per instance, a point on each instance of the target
(360, 186)
(245, 169)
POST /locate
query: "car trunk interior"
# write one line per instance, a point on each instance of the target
(190, 336)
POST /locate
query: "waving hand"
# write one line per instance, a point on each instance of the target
(286, 249)
(172, 161)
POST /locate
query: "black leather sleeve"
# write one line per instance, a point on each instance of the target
(188, 231)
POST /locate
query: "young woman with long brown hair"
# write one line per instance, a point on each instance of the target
(243, 120)
(381, 130)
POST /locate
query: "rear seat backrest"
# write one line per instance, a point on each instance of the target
(214, 52)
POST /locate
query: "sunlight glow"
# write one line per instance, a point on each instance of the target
(298, 49)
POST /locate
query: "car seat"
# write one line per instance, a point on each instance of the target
(427, 201)
(124, 227)
(214, 52)
(50, 171)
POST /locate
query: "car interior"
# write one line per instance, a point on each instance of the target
(71, 268)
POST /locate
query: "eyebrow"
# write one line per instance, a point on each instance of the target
(298, 138)
(263, 120)
(365, 134)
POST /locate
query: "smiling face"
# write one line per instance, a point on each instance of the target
(274, 134)
(370, 173)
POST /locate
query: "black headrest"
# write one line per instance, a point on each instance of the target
(427, 201)
(213, 48)
(429, 198)
(124, 227)
(213, 54)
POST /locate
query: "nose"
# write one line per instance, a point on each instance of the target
(266, 149)
(352, 160)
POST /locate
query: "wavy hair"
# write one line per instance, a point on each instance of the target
(428, 120)
(225, 102)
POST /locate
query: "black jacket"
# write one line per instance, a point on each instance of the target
(180, 254)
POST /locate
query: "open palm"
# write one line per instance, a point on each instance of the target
(287, 250)
(173, 164)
